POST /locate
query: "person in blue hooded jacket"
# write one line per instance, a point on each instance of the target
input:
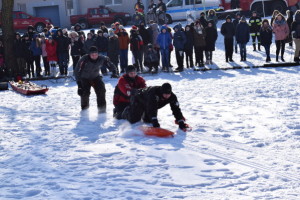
(242, 35)
(164, 41)
(179, 42)
(36, 49)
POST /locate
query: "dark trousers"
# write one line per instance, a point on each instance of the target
(165, 58)
(179, 58)
(228, 48)
(123, 59)
(208, 55)
(280, 45)
(30, 67)
(118, 110)
(189, 58)
(136, 111)
(243, 51)
(46, 66)
(63, 59)
(75, 59)
(138, 60)
(199, 55)
(99, 88)
(267, 49)
(21, 66)
(37, 62)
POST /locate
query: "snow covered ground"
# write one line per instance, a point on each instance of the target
(244, 143)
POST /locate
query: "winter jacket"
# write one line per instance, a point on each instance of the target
(36, 51)
(235, 22)
(124, 87)
(89, 69)
(155, 33)
(242, 33)
(123, 40)
(136, 42)
(152, 99)
(280, 29)
(145, 35)
(188, 46)
(102, 44)
(51, 50)
(87, 44)
(227, 30)
(211, 38)
(76, 46)
(266, 36)
(203, 21)
(214, 18)
(179, 38)
(63, 43)
(113, 49)
(164, 40)
(199, 37)
(255, 24)
(151, 58)
(28, 52)
(20, 48)
(44, 52)
(296, 27)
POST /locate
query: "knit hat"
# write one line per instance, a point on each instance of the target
(130, 68)
(166, 88)
(93, 49)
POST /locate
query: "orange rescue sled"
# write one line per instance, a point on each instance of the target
(158, 132)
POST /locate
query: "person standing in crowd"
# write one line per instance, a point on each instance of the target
(145, 37)
(266, 36)
(227, 30)
(127, 86)
(235, 23)
(63, 46)
(199, 43)
(161, 6)
(212, 16)
(151, 59)
(296, 35)
(113, 49)
(87, 75)
(44, 55)
(188, 47)
(102, 46)
(203, 20)
(76, 47)
(20, 55)
(30, 32)
(139, 6)
(145, 104)
(36, 49)
(88, 43)
(289, 20)
(29, 56)
(275, 13)
(77, 28)
(164, 41)
(255, 24)
(123, 44)
(171, 47)
(179, 42)
(211, 38)
(242, 35)
(103, 27)
(51, 48)
(281, 31)
(155, 32)
(136, 47)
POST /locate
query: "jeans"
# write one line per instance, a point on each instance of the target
(123, 59)
(243, 50)
(165, 58)
(63, 63)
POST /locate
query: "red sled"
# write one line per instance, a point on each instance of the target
(28, 88)
(158, 132)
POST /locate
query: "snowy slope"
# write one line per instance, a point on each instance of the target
(244, 143)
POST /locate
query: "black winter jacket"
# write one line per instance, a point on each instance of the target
(242, 33)
(145, 35)
(63, 43)
(255, 24)
(211, 38)
(227, 30)
(266, 35)
(102, 44)
(20, 49)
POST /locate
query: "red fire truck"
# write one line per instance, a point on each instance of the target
(262, 7)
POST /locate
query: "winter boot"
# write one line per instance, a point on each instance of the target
(254, 47)
(282, 59)
(85, 102)
(259, 47)
(277, 58)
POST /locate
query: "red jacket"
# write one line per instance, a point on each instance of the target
(51, 51)
(125, 85)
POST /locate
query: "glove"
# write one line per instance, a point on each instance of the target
(183, 126)
(155, 123)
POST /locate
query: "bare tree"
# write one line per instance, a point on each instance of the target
(8, 33)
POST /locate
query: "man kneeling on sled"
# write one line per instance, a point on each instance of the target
(146, 102)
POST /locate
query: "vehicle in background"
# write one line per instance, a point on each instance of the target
(95, 16)
(22, 20)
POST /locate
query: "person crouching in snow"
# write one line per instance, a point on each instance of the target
(179, 42)
(242, 35)
(87, 75)
(128, 83)
(164, 41)
(146, 102)
(151, 59)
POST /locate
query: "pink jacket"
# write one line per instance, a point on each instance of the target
(281, 31)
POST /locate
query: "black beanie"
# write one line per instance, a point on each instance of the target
(93, 49)
(130, 68)
(166, 88)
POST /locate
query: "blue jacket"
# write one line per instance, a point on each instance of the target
(242, 33)
(179, 38)
(36, 51)
(164, 40)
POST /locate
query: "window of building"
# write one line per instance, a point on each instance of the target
(113, 2)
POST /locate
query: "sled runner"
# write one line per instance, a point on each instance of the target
(158, 132)
(28, 88)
